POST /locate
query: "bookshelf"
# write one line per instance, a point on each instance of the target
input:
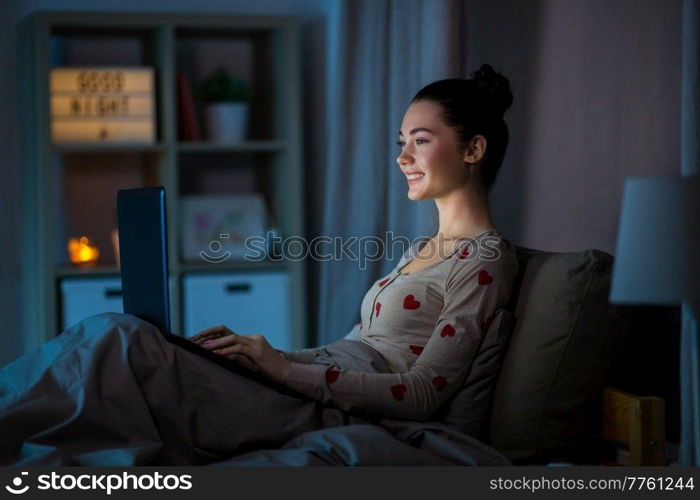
(69, 189)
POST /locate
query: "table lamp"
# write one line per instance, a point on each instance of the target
(658, 262)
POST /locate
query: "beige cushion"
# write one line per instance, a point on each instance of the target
(561, 350)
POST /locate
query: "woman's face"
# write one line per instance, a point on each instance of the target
(429, 157)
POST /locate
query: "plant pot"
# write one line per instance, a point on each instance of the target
(227, 121)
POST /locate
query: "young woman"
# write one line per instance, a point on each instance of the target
(108, 391)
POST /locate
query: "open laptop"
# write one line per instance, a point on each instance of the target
(143, 255)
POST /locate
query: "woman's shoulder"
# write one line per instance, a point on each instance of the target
(489, 251)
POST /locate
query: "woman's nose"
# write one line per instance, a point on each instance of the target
(403, 159)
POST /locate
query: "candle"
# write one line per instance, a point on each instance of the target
(82, 252)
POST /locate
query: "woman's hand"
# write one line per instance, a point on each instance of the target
(252, 351)
(214, 332)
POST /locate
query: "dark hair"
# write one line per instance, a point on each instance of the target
(475, 106)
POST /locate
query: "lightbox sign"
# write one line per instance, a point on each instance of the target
(107, 104)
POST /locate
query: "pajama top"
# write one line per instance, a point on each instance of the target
(427, 325)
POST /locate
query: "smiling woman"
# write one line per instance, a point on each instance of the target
(429, 316)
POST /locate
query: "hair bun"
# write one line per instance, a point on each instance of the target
(495, 86)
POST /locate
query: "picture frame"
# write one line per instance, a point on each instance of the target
(215, 227)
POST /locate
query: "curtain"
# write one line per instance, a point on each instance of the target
(689, 453)
(380, 52)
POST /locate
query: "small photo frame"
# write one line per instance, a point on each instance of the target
(215, 227)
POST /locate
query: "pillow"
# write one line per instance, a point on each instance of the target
(565, 340)
(469, 409)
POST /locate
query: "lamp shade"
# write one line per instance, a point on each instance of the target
(658, 242)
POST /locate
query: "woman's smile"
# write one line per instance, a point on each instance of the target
(414, 178)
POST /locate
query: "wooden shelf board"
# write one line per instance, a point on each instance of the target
(96, 270)
(228, 266)
(243, 147)
(65, 271)
(82, 147)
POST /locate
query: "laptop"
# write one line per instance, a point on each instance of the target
(143, 255)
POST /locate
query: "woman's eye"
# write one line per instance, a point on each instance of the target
(418, 141)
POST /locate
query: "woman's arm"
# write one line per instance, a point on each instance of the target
(307, 356)
(474, 291)
(254, 351)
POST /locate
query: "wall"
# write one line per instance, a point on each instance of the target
(596, 99)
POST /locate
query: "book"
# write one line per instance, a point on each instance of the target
(187, 122)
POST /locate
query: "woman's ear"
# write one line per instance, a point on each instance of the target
(476, 148)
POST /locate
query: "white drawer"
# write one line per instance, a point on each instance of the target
(83, 297)
(247, 303)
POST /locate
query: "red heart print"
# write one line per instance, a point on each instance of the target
(383, 282)
(448, 331)
(464, 253)
(440, 382)
(417, 349)
(332, 375)
(398, 391)
(377, 308)
(486, 324)
(410, 302)
(485, 278)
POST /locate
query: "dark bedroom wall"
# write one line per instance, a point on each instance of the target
(596, 88)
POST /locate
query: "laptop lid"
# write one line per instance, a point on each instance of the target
(143, 255)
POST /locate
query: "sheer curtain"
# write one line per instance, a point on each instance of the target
(381, 52)
(690, 165)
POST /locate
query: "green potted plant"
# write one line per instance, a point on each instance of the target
(226, 106)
